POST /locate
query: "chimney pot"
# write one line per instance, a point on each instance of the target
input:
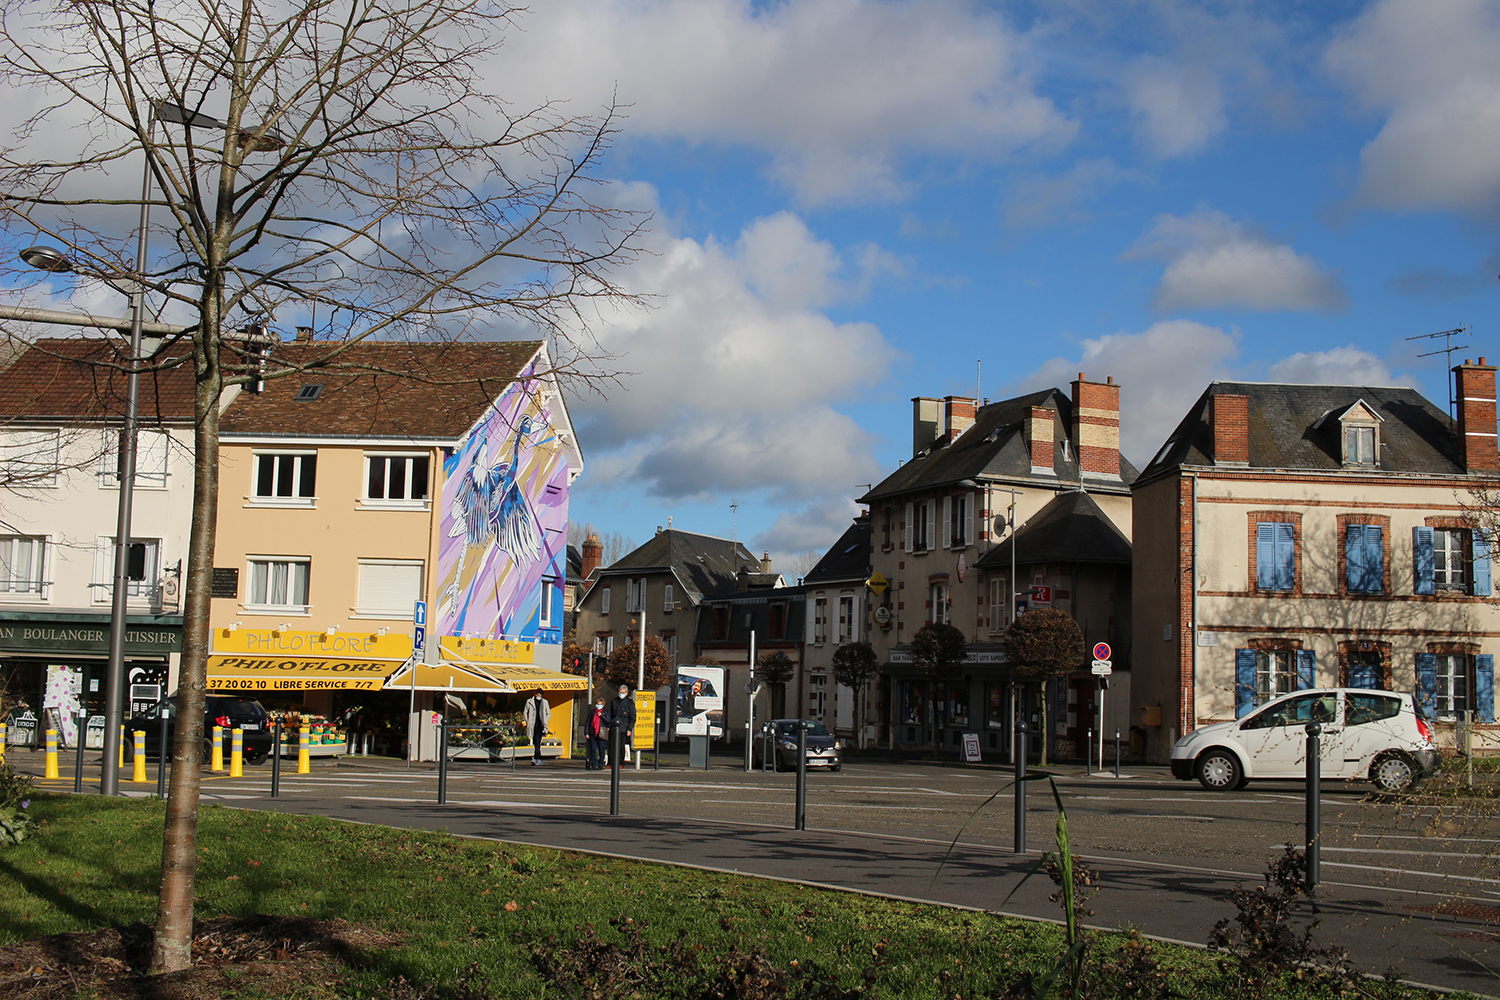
(304, 334)
(1476, 416)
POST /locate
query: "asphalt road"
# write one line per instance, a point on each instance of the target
(1405, 883)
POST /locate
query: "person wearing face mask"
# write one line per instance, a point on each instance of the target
(537, 714)
(621, 712)
(596, 733)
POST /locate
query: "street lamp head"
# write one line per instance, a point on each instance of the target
(45, 258)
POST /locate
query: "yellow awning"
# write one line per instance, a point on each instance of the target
(446, 677)
(298, 673)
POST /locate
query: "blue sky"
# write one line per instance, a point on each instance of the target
(857, 202)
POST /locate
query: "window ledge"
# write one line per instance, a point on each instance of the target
(385, 616)
(417, 505)
(300, 610)
(304, 503)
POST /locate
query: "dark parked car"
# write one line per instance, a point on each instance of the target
(822, 748)
(231, 713)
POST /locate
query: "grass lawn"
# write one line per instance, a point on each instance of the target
(454, 902)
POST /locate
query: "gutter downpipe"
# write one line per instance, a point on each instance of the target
(1193, 638)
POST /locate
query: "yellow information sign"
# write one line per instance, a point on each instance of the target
(489, 650)
(274, 642)
(645, 719)
(878, 583)
(274, 673)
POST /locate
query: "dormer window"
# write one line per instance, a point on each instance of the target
(1359, 444)
(1359, 433)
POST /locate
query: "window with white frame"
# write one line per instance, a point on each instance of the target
(847, 631)
(635, 592)
(22, 564)
(1275, 673)
(396, 478)
(922, 538)
(1359, 444)
(1452, 685)
(1450, 552)
(999, 604)
(939, 595)
(388, 588)
(604, 600)
(286, 477)
(30, 459)
(544, 613)
(279, 583)
(666, 598)
(960, 521)
(152, 450)
(142, 569)
(820, 619)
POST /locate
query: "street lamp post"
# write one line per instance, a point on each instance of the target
(1011, 527)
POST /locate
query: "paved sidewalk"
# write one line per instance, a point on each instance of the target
(1380, 924)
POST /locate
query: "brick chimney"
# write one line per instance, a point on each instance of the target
(1476, 415)
(926, 422)
(593, 555)
(1039, 435)
(304, 335)
(958, 416)
(1096, 426)
(1229, 418)
(765, 562)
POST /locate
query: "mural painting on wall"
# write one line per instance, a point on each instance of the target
(504, 529)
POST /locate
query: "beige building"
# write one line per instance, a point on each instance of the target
(1292, 536)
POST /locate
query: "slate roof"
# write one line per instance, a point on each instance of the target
(995, 448)
(848, 558)
(757, 605)
(1070, 529)
(703, 564)
(79, 378)
(383, 389)
(1415, 436)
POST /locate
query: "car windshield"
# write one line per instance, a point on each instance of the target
(788, 728)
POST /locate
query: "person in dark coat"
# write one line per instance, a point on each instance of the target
(621, 712)
(596, 732)
(537, 714)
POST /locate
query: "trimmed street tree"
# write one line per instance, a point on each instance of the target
(625, 664)
(937, 650)
(343, 159)
(854, 666)
(776, 669)
(1042, 644)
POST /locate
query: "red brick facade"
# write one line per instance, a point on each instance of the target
(1229, 417)
(1096, 425)
(1476, 416)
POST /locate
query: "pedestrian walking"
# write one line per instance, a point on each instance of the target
(621, 712)
(596, 733)
(537, 714)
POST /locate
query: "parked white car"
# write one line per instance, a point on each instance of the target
(1374, 735)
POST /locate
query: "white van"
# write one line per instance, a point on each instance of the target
(1374, 735)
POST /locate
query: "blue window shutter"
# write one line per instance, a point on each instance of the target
(1286, 555)
(1484, 687)
(1427, 682)
(1481, 565)
(1265, 556)
(1307, 669)
(1421, 547)
(1375, 558)
(1244, 681)
(1356, 573)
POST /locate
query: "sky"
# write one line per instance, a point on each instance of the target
(855, 202)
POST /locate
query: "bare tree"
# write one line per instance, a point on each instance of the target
(614, 544)
(854, 666)
(776, 669)
(343, 157)
(1043, 644)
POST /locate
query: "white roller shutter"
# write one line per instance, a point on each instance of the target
(389, 588)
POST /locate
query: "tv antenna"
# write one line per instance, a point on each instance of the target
(1448, 348)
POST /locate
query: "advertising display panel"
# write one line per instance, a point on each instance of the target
(700, 701)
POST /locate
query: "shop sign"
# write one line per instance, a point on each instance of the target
(85, 637)
(272, 642)
(988, 657)
(488, 650)
(245, 673)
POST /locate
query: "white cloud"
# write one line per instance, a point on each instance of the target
(1160, 371)
(837, 92)
(1043, 201)
(812, 528)
(735, 371)
(1178, 107)
(1215, 262)
(1346, 365)
(1431, 69)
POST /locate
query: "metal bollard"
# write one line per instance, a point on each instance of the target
(276, 761)
(162, 758)
(443, 762)
(655, 746)
(1314, 804)
(78, 759)
(304, 755)
(1088, 753)
(51, 771)
(801, 775)
(1117, 753)
(138, 756)
(1020, 787)
(614, 768)
(237, 753)
(217, 763)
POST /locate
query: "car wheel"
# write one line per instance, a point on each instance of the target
(1394, 773)
(836, 767)
(1219, 771)
(255, 756)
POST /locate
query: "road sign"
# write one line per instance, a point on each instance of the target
(878, 583)
(1103, 668)
(1101, 650)
(419, 626)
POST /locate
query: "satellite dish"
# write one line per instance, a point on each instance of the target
(1000, 524)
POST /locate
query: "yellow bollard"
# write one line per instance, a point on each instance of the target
(304, 756)
(122, 748)
(51, 754)
(218, 762)
(138, 751)
(237, 753)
